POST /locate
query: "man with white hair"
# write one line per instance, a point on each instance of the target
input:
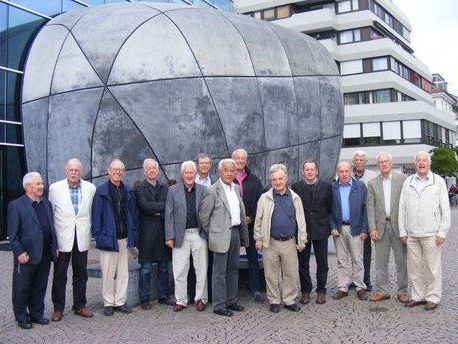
(185, 236)
(223, 217)
(33, 241)
(71, 199)
(114, 228)
(424, 221)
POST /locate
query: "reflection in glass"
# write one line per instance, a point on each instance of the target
(68, 5)
(48, 7)
(3, 42)
(13, 133)
(13, 85)
(201, 3)
(2, 94)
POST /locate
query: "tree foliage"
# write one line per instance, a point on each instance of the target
(444, 161)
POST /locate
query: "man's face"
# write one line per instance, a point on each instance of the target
(240, 161)
(422, 165)
(188, 175)
(204, 165)
(309, 171)
(73, 173)
(151, 171)
(359, 163)
(278, 181)
(384, 165)
(227, 173)
(344, 173)
(36, 187)
(115, 173)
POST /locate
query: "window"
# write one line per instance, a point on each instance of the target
(283, 12)
(344, 6)
(380, 63)
(352, 98)
(269, 14)
(349, 36)
(411, 129)
(351, 131)
(371, 129)
(257, 15)
(392, 131)
(381, 96)
(351, 67)
(406, 33)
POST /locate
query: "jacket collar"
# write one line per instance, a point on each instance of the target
(105, 189)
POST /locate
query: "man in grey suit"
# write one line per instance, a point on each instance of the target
(222, 215)
(184, 235)
(382, 212)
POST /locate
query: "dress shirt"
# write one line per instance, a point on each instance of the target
(344, 191)
(386, 182)
(75, 195)
(205, 182)
(283, 221)
(420, 183)
(233, 201)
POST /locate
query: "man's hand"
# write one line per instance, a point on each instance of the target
(363, 236)
(300, 247)
(169, 243)
(374, 235)
(335, 233)
(23, 258)
(248, 220)
(404, 239)
(439, 240)
(258, 245)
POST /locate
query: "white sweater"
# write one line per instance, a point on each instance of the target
(425, 213)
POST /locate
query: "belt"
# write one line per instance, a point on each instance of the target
(283, 239)
(236, 227)
(388, 218)
(344, 223)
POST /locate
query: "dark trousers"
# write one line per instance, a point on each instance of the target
(192, 278)
(253, 264)
(162, 280)
(320, 248)
(59, 283)
(29, 289)
(367, 256)
(225, 278)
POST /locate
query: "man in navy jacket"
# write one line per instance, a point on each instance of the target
(349, 229)
(33, 240)
(114, 228)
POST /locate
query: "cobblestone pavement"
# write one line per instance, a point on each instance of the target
(345, 321)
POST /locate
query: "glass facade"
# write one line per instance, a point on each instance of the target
(20, 20)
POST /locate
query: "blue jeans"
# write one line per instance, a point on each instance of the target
(162, 280)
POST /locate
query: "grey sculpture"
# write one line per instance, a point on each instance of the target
(137, 80)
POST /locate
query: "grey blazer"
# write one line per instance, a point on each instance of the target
(376, 202)
(215, 216)
(175, 213)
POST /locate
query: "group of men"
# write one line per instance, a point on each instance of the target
(203, 223)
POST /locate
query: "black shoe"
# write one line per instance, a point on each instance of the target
(274, 308)
(368, 286)
(123, 309)
(166, 301)
(352, 286)
(236, 307)
(224, 312)
(293, 308)
(108, 311)
(25, 325)
(41, 321)
(145, 305)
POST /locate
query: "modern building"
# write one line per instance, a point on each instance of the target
(20, 20)
(387, 90)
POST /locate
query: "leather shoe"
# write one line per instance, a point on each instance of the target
(274, 308)
(259, 297)
(41, 321)
(379, 297)
(57, 316)
(108, 311)
(123, 309)
(340, 295)
(166, 301)
(321, 299)
(83, 312)
(361, 294)
(224, 312)
(25, 325)
(403, 298)
(293, 308)
(145, 305)
(200, 306)
(430, 306)
(368, 286)
(414, 303)
(236, 307)
(178, 307)
(305, 298)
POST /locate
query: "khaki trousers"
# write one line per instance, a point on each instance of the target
(424, 268)
(115, 275)
(281, 257)
(349, 250)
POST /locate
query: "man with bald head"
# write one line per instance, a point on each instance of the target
(71, 199)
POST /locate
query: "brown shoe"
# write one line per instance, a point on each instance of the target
(361, 294)
(178, 307)
(200, 305)
(340, 295)
(83, 312)
(414, 303)
(379, 297)
(403, 298)
(430, 306)
(321, 299)
(305, 299)
(57, 316)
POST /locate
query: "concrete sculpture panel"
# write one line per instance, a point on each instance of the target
(167, 81)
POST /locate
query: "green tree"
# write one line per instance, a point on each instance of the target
(444, 161)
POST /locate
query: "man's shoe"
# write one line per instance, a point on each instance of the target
(361, 294)
(351, 286)
(368, 286)
(178, 307)
(379, 297)
(274, 308)
(259, 297)
(224, 312)
(321, 299)
(414, 303)
(83, 312)
(57, 316)
(166, 301)
(430, 306)
(236, 307)
(122, 309)
(25, 325)
(200, 306)
(340, 295)
(145, 305)
(305, 298)
(108, 311)
(41, 321)
(293, 308)
(403, 298)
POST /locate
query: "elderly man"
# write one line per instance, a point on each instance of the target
(184, 234)
(279, 217)
(114, 228)
(316, 196)
(349, 229)
(204, 164)
(363, 174)
(33, 241)
(250, 189)
(424, 220)
(383, 194)
(223, 217)
(153, 253)
(71, 199)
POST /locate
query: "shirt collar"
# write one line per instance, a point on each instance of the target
(227, 187)
(78, 186)
(429, 176)
(275, 193)
(350, 183)
(193, 188)
(387, 178)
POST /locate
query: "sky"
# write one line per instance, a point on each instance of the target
(434, 37)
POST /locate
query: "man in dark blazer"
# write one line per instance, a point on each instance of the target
(153, 253)
(316, 196)
(33, 240)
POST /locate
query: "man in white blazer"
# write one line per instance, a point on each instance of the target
(71, 199)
